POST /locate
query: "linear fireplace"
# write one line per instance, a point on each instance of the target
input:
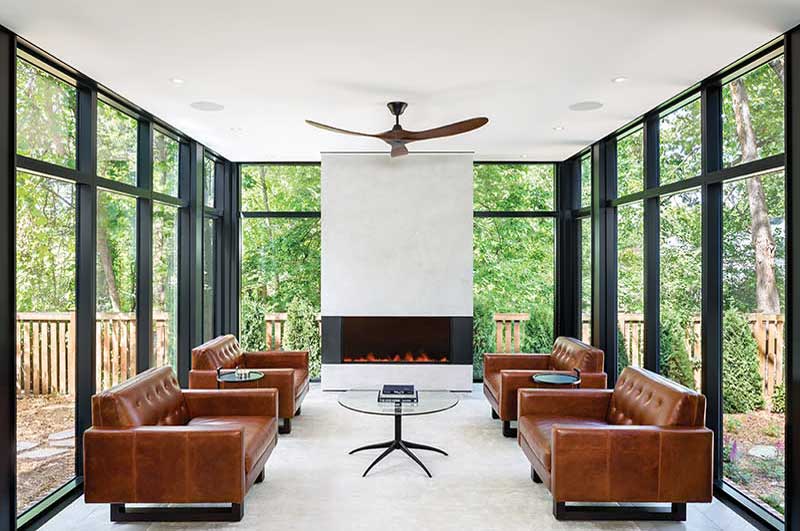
(395, 340)
(357, 351)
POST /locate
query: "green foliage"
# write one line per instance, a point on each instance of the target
(302, 333)
(165, 163)
(732, 425)
(46, 116)
(741, 379)
(586, 180)
(772, 430)
(773, 500)
(675, 362)
(779, 400)
(630, 163)
(117, 141)
(622, 353)
(737, 474)
(514, 186)
(679, 143)
(280, 187)
(483, 330)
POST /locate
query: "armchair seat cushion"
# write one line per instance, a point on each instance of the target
(259, 432)
(538, 432)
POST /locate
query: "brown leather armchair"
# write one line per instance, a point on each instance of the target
(151, 442)
(283, 370)
(643, 441)
(504, 374)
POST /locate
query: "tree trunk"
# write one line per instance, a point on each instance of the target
(108, 267)
(767, 299)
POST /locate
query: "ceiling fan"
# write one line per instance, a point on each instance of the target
(397, 137)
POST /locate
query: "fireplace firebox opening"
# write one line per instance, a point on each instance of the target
(396, 340)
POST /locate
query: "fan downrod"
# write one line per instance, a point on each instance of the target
(397, 108)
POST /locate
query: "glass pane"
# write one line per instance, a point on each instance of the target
(752, 114)
(165, 286)
(209, 181)
(116, 144)
(281, 275)
(681, 270)
(209, 276)
(116, 288)
(280, 187)
(46, 114)
(45, 390)
(165, 164)
(586, 180)
(630, 285)
(630, 163)
(514, 272)
(753, 389)
(586, 279)
(679, 141)
(514, 186)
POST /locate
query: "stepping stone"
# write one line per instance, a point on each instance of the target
(61, 435)
(42, 453)
(26, 445)
(763, 451)
(63, 443)
(58, 406)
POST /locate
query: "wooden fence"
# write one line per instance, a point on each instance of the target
(46, 350)
(767, 330)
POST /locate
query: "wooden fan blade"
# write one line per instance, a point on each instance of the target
(446, 130)
(338, 130)
(398, 150)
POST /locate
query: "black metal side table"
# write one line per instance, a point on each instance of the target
(559, 379)
(233, 378)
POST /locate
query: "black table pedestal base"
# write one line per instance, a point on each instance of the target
(398, 444)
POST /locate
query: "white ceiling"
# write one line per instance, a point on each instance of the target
(273, 64)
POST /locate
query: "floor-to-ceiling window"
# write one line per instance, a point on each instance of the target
(212, 219)
(730, 208)
(514, 253)
(585, 246)
(105, 209)
(45, 284)
(281, 258)
(630, 252)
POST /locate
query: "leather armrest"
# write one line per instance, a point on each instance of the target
(229, 402)
(202, 379)
(164, 464)
(632, 463)
(497, 362)
(276, 359)
(587, 403)
(594, 380)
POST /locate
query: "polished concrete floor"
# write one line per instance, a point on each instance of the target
(312, 484)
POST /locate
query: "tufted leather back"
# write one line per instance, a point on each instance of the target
(152, 398)
(222, 351)
(569, 353)
(642, 397)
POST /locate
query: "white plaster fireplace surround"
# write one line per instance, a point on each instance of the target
(396, 241)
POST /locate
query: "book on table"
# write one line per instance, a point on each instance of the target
(397, 393)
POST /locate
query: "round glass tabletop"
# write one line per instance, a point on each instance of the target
(366, 401)
(232, 377)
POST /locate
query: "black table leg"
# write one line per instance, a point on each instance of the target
(398, 444)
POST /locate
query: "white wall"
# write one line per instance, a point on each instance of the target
(397, 234)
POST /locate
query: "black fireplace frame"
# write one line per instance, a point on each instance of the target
(460, 341)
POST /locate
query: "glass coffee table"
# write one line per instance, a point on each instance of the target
(366, 401)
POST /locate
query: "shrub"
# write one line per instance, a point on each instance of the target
(302, 333)
(737, 474)
(622, 353)
(675, 362)
(773, 500)
(252, 326)
(482, 335)
(779, 400)
(537, 334)
(772, 430)
(741, 379)
(732, 425)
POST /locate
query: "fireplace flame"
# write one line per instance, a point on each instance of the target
(406, 357)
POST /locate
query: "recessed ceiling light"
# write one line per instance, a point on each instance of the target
(208, 106)
(586, 106)
(619, 79)
(558, 128)
(176, 81)
(523, 156)
(237, 130)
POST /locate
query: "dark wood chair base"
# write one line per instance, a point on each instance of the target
(534, 476)
(495, 416)
(297, 413)
(285, 427)
(120, 513)
(508, 431)
(260, 478)
(675, 512)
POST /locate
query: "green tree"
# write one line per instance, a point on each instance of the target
(742, 386)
